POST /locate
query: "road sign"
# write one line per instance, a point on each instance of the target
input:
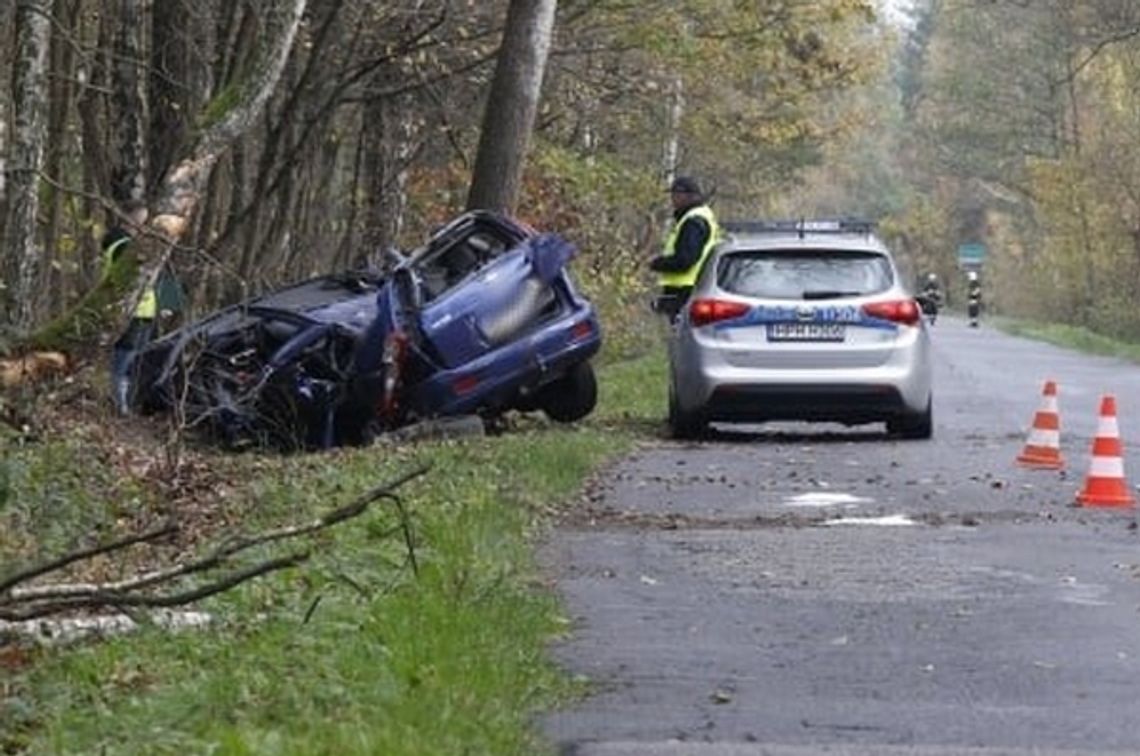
(971, 255)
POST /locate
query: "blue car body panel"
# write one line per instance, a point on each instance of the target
(466, 323)
(531, 361)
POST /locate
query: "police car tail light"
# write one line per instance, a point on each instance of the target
(705, 311)
(902, 311)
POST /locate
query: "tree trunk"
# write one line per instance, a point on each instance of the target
(127, 119)
(512, 105)
(348, 251)
(388, 133)
(175, 84)
(3, 158)
(61, 259)
(92, 81)
(20, 253)
(672, 154)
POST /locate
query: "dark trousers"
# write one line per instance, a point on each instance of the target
(138, 333)
(671, 300)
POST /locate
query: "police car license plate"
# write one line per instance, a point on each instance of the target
(806, 331)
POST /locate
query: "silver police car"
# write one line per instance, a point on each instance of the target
(800, 320)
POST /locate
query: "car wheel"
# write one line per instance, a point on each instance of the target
(571, 397)
(917, 426)
(682, 424)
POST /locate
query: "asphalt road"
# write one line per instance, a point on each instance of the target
(792, 590)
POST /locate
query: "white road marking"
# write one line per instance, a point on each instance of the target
(897, 520)
(826, 499)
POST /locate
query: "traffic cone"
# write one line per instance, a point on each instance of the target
(1043, 447)
(1105, 485)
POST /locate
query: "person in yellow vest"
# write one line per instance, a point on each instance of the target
(142, 327)
(693, 235)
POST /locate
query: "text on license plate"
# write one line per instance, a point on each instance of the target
(806, 331)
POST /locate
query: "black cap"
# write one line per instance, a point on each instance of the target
(685, 185)
(113, 235)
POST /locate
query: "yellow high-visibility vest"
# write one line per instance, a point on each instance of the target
(688, 277)
(147, 308)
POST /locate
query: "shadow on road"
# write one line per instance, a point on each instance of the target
(807, 434)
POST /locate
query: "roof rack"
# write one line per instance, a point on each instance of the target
(803, 226)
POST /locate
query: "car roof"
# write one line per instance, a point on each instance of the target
(829, 234)
(463, 224)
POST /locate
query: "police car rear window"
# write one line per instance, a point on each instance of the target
(804, 274)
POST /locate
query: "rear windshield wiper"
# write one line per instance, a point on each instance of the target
(828, 294)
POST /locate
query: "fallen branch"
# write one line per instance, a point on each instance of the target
(76, 556)
(122, 600)
(65, 630)
(235, 546)
(20, 603)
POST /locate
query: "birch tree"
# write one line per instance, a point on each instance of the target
(232, 114)
(182, 188)
(512, 105)
(672, 154)
(20, 253)
(3, 161)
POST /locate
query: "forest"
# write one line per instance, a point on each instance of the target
(252, 143)
(1004, 123)
(368, 136)
(1014, 130)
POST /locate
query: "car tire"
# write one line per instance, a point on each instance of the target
(918, 426)
(571, 397)
(682, 424)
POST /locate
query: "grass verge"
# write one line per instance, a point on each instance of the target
(1071, 337)
(351, 653)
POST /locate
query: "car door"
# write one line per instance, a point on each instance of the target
(496, 305)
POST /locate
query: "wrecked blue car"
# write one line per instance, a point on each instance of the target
(482, 319)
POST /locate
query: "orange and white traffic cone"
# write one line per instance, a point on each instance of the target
(1043, 447)
(1105, 485)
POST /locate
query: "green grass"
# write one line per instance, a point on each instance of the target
(451, 661)
(1072, 337)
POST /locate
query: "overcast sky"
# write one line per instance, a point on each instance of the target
(892, 9)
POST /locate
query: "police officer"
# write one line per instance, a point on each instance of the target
(693, 235)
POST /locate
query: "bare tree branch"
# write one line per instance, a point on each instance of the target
(56, 564)
(22, 604)
(119, 600)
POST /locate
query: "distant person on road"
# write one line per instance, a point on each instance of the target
(931, 297)
(931, 285)
(933, 288)
(973, 297)
(693, 235)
